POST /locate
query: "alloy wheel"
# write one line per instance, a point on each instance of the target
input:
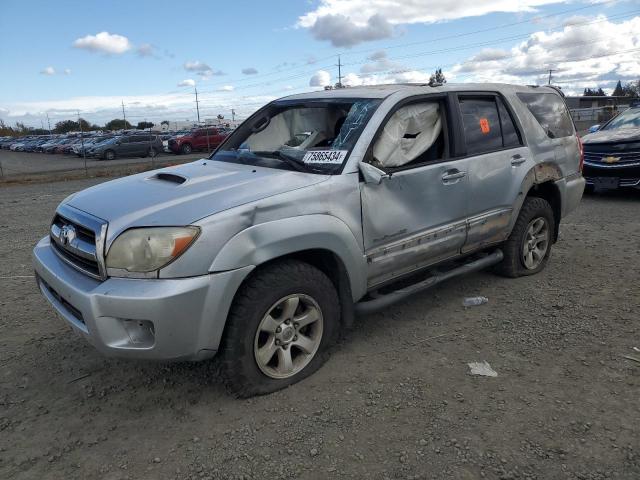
(288, 336)
(535, 243)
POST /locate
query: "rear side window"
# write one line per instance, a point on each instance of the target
(510, 135)
(550, 112)
(481, 123)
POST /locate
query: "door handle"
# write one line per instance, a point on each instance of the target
(453, 175)
(517, 159)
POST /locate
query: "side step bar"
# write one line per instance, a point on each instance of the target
(370, 306)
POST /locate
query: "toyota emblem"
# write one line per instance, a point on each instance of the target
(67, 234)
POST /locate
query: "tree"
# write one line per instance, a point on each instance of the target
(631, 89)
(164, 122)
(144, 125)
(117, 124)
(437, 78)
(594, 93)
(618, 91)
(67, 126)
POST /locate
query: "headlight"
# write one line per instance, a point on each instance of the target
(145, 250)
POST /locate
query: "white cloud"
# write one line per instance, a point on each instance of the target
(104, 42)
(379, 62)
(188, 82)
(249, 71)
(348, 22)
(145, 50)
(202, 69)
(580, 55)
(226, 88)
(321, 78)
(67, 71)
(342, 32)
(48, 71)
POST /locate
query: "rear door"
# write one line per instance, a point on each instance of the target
(497, 164)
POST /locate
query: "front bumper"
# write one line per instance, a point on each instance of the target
(627, 175)
(157, 319)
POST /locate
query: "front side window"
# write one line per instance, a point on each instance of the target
(627, 119)
(412, 135)
(550, 112)
(312, 136)
(481, 124)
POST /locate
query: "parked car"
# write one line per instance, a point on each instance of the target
(137, 145)
(206, 139)
(612, 152)
(263, 252)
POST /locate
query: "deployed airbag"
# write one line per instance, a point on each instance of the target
(410, 132)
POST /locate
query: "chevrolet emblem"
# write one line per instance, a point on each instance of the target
(610, 159)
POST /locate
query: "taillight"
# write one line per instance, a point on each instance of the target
(581, 147)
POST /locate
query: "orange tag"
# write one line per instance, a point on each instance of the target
(484, 125)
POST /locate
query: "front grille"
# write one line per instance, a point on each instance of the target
(76, 239)
(610, 154)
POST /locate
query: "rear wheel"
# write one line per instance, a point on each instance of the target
(527, 249)
(279, 329)
(152, 152)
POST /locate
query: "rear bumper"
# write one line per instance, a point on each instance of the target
(571, 190)
(157, 319)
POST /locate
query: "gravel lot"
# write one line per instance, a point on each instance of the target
(394, 401)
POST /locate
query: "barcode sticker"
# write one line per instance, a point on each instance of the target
(335, 157)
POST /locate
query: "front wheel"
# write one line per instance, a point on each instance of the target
(186, 149)
(527, 249)
(152, 152)
(279, 329)
(109, 155)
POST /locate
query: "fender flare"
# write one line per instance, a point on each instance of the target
(538, 174)
(270, 240)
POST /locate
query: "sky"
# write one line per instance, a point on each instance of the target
(64, 57)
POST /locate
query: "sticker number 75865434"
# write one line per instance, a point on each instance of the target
(335, 157)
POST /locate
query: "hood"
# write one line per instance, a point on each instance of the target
(184, 194)
(615, 135)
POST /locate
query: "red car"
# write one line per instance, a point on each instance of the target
(198, 139)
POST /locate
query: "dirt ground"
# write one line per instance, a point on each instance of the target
(395, 400)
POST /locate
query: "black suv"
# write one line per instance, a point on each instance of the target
(612, 153)
(136, 145)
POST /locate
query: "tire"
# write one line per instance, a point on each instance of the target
(152, 152)
(186, 149)
(534, 212)
(109, 155)
(266, 297)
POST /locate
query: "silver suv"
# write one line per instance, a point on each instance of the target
(319, 207)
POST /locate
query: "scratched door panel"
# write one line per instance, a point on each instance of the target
(413, 218)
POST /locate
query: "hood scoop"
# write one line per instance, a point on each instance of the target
(169, 177)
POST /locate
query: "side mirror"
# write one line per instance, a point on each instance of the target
(372, 174)
(594, 128)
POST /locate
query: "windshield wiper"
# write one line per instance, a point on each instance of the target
(292, 161)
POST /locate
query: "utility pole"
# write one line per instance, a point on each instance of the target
(49, 123)
(233, 115)
(339, 65)
(84, 153)
(124, 126)
(197, 104)
(550, 72)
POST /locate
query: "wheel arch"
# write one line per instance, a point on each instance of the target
(320, 240)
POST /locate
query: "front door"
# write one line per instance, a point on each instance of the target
(417, 215)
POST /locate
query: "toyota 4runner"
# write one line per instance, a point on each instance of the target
(319, 207)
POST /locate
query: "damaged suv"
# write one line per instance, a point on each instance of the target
(319, 207)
